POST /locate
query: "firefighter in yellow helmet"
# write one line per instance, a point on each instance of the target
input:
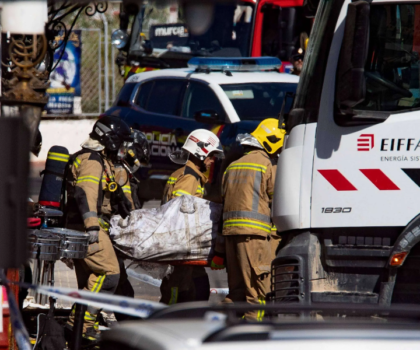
(247, 189)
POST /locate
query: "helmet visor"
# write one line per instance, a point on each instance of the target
(122, 151)
(114, 143)
(141, 146)
(218, 155)
(218, 152)
(179, 156)
(248, 140)
(126, 137)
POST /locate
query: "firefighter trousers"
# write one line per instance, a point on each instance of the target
(185, 283)
(124, 288)
(248, 261)
(99, 272)
(274, 242)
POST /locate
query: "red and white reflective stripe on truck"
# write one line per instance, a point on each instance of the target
(376, 176)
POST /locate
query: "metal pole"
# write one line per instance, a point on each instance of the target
(99, 71)
(79, 317)
(0, 69)
(106, 74)
(113, 71)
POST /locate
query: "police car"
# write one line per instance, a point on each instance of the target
(225, 95)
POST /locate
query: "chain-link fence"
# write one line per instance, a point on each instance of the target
(91, 71)
(100, 76)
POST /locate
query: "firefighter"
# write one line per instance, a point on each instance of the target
(247, 189)
(296, 59)
(95, 191)
(137, 154)
(190, 283)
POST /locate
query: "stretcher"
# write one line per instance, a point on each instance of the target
(181, 232)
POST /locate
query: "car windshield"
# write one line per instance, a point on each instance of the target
(164, 26)
(258, 101)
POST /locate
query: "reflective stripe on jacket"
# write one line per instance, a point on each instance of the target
(187, 180)
(247, 188)
(91, 187)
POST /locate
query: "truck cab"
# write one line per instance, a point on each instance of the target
(160, 36)
(348, 180)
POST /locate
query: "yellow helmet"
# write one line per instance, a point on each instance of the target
(269, 135)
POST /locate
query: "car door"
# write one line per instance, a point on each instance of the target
(200, 97)
(156, 111)
(121, 107)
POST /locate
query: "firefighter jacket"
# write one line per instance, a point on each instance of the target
(92, 173)
(247, 189)
(273, 227)
(186, 180)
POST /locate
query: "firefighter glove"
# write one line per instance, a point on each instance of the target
(218, 262)
(121, 203)
(124, 209)
(93, 236)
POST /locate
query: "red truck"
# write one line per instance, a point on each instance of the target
(160, 38)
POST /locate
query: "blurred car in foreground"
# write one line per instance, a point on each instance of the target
(366, 329)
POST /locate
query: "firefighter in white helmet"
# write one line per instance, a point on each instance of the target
(190, 283)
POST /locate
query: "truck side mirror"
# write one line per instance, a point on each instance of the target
(289, 95)
(206, 116)
(351, 81)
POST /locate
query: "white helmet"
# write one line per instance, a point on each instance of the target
(200, 143)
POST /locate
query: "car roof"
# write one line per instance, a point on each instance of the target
(215, 334)
(217, 77)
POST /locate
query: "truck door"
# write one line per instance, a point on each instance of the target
(367, 151)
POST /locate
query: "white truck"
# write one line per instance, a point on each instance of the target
(347, 196)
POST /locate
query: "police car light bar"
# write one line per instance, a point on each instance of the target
(234, 63)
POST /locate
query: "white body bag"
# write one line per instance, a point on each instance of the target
(185, 228)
